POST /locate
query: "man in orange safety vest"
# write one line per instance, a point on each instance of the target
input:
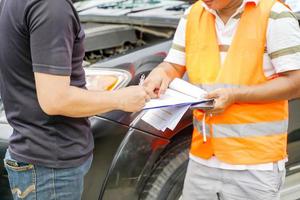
(245, 53)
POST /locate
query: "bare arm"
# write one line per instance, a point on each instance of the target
(57, 97)
(287, 86)
(284, 87)
(171, 69)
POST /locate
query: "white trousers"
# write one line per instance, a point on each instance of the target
(206, 183)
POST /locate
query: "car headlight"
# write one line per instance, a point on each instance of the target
(106, 78)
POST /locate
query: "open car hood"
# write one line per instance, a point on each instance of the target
(162, 13)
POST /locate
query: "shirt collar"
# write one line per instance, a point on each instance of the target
(239, 10)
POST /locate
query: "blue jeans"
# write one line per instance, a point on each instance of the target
(33, 182)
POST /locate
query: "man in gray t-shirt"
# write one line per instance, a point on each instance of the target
(43, 90)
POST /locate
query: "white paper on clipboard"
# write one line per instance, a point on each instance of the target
(167, 111)
(179, 93)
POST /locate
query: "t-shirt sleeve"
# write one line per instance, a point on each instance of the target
(176, 54)
(283, 41)
(53, 27)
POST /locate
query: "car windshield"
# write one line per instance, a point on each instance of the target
(123, 4)
(127, 4)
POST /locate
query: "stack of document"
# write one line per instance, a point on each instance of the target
(167, 111)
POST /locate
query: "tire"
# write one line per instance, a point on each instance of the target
(166, 180)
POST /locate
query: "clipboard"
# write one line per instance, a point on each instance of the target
(204, 103)
(208, 105)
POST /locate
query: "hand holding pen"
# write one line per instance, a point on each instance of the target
(132, 98)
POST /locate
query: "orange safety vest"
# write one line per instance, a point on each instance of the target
(246, 133)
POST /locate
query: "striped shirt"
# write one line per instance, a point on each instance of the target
(281, 55)
(282, 46)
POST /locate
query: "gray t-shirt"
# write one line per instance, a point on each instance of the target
(41, 36)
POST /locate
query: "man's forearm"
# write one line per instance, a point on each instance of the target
(57, 97)
(172, 70)
(79, 102)
(281, 88)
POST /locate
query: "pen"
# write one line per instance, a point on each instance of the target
(142, 78)
(140, 115)
(204, 128)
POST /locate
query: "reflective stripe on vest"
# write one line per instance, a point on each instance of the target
(245, 130)
(212, 87)
(250, 130)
